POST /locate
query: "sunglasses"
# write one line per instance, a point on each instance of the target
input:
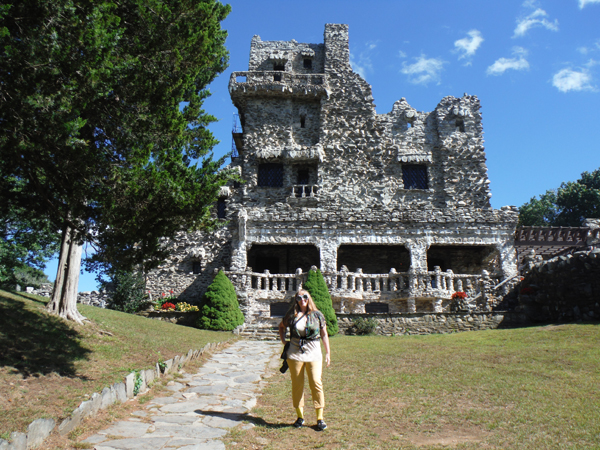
(301, 297)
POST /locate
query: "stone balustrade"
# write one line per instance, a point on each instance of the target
(275, 81)
(304, 191)
(434, 284)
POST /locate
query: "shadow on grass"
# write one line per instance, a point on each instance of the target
(33, 343)
(244, 416)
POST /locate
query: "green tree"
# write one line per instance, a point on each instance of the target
(566, 206)
(126, 291)
(91, 125)
(26, 242)
(220, 310)
(315, 284)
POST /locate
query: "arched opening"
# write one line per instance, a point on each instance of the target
(373, 258)
(283, 258)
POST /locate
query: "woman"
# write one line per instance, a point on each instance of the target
(307, 324)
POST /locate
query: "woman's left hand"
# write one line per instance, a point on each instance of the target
(327, 359)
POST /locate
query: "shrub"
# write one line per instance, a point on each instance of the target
(363, 325)
(315, 284)
(127, 291)
(221, 310)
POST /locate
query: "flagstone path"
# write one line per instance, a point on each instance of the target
(202, 407)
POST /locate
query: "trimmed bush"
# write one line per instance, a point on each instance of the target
(221, 310)
(364, 326)
(315, 284)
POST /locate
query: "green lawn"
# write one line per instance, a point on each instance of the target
(530, 388)
(48, 366)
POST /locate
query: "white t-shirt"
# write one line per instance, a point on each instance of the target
(312, 348)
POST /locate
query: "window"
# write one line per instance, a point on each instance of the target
(460, 125)
(414, 176)
(196, 267)
(302, 121)
(307, 63)
(279, 309)
(377, 308)
(270, 175)
(303, 176)
(221, 208)
(278, 67)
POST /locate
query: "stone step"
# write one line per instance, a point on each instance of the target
(263, 334)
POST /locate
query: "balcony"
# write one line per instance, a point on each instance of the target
(435, 285)
(303, 193)
(277, 83)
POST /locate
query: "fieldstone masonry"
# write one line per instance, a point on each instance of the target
(327, 176)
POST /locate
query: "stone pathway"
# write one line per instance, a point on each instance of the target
(202, 407)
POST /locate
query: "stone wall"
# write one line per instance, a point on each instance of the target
(434, 323)
(564, 288)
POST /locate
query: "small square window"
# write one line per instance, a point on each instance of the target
(221, 208)
(414, 176)
(280, 67)
(270, 175)
(307, 63)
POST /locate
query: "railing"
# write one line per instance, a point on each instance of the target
(275, 81)
(304, 191)
(431, 284)
(266, 281)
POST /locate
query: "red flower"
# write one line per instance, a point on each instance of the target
(168, 305)
(461, 295)
(171, 291)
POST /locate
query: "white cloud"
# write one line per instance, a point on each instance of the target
(401, 54)
(424, 70)
(468, 46)
(537, 18)
(583, 3)
(572, 80)
(361, 63)
(503, 64)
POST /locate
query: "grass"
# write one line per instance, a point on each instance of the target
(530, 388)
(48, 366)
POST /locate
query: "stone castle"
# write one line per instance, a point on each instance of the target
(393, 208)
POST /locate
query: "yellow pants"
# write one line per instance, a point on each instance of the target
(313, 370)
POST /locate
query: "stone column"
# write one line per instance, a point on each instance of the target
(508, 258)
(239, 253)
(328, 254)
(418, 254)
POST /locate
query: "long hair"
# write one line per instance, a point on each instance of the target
(295, 309)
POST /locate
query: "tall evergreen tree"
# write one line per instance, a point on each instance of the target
(91, 124)
(221, 309)
(315, 284)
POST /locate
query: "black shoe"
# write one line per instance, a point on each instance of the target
(321, 425)
(298, 423)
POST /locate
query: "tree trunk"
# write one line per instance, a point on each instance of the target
(64, 297)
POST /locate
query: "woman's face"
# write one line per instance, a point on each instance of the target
(302, 299)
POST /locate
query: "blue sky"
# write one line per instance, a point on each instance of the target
(535, 66)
